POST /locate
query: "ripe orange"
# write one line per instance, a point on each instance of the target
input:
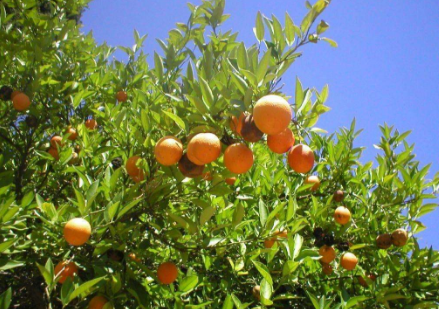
(134, 258)
(282, 234)
(70, 269)
(301, 158)
(313, 180)
(348, 261)
(91, 124)
(399, 237)
(77, 231)
(73, 134)
(97, 302)
(168, 150)
(132, 169)
(21, 102)
(384, 241)
(327, 268)
(236, 123)
(188, 168)
(281, 142)
(256, 292)
(167, 273)
(231, 181)
(54, 153)
(338, 196)
(238, 158)
(342, 215)
(56, 141)
(204, 148)
(14, 93)
(121, 96)
(269, 242)
(272, 114)
(327, 254)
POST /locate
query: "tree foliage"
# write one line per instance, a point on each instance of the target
(213, 231)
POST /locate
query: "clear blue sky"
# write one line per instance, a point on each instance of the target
(386, 68)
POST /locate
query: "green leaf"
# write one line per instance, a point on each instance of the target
(176, 119)
(238, 215)
(266, 291)
(207, 93)
(199, 104)
(5, 299)
(260, 30)
(314, 300)
(48, 278)
(263, 66)
(188, 283)
(85, 289)
(331, 42)
(290, 32)
(5, 245)
(322, 27)
(262, 212)
(206, 214)
(263, 270)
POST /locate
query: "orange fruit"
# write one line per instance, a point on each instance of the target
(204, 148)
(256, 292)
(313, 180)
(348, 261)
(338, 196)
(342, 215)
(188, 168)
(54, 153)
(231, 181)
(21, 102)
(167, 273)
(56, 141)
(384, 241)
(272, 114)
(327, 268)
(132, 169)
(283, 234)
(301, 158)
(236, 123)
(327, 254)
(269, 242)
(399, 237)
(91, 124)
(121, 96)
(281, 142)
(70, 269)
(238, 158)
(74, 159)
(73, 134)
(14, 93)
(134, 258)
(97, 302)
(168, 150)
(77, 231)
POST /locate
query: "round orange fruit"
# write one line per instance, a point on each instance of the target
(91, 124)
(73, 135)
(204, 148)
(269, 242)
(231, 181)
(54, 153)
(132, 169)
(77, 231)
(167, 273)
(315, 181)
(20, 102)
(348, 261)
(256, 292)
(238, 158)
(327, 254)
(338, 196)
(327, 268)
(301, 158)
(399, 237)
(281, 142)
(384, 241)
(272, 114)
(168, 150)
(97, 302)
(65, 270)
(188, 168)
(56, 141)
(121, 96)
(342, 215)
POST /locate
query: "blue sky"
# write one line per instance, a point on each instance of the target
(386, 68)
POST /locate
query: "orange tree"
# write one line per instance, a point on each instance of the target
(194, 183)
